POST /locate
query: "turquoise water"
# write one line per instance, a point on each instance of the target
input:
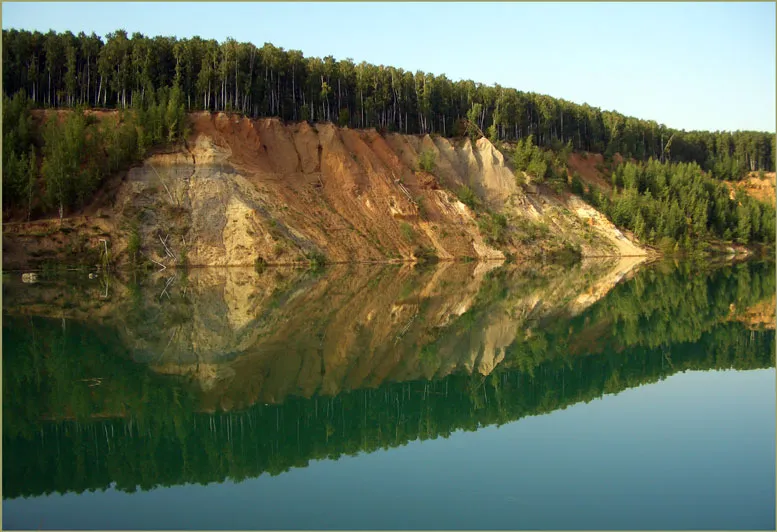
(446, 398)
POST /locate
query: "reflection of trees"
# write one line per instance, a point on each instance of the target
(165, 444)
(142, 430)
(655, 309)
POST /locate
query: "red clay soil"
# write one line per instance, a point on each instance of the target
(586, 167)
(762, 190)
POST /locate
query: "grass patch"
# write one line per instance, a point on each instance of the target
(493, 227)
(422, 212)
(527, 231)
(426, 161)
(425, 255)
(407, 231)
(133, 244)
(568, 254)
(316, 260)
(468, 197)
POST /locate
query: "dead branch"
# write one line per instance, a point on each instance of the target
(155, 262)
(164, 291)
(175, 332)
(469, 123)
(105, 242)
(163, 184)
(167, 249)
(405, 328)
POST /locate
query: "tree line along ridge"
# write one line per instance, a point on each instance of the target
(65, 70)
(666, 199)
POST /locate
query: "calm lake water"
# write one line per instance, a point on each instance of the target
(460, 396)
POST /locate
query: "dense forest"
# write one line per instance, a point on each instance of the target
(674, 206)
(77, 151)
(123, 71)
(677, 206)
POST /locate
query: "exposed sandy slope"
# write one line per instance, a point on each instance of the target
(624, 242)
(591, 169)
(241, 189)
(755, 187)
(460, 162)
(253, 188)
(25, 244)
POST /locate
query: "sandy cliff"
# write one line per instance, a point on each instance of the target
(240, 189)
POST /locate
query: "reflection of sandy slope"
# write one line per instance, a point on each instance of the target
(351, 328)
(246, 337)
(69, 297)
(356, 328)
(207, 317)
(557, 292)
(615, 271)
(758, 316)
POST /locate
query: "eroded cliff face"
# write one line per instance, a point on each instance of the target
(244, 189)
(240, 190)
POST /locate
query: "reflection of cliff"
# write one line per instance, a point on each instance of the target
(246, 337)
(420, 354)
(164, 441)
(349, 331)
(241, 337)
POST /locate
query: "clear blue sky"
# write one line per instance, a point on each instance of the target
(687, 65)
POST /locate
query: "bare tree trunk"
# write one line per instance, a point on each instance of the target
(562, 125)
(272, 95)
(29, 201)
(88, 79)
